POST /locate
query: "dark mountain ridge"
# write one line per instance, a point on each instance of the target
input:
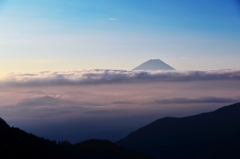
(209, 135)
(3, 124)
(15, 143)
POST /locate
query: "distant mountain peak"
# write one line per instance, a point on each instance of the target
(154, 65)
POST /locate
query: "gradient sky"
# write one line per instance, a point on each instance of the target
(61, 35)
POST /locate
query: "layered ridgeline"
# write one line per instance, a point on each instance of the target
(209, 135)
(15, 143)
(154, 65)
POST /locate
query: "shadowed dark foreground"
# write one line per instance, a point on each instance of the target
(209, 135)
(15, 143)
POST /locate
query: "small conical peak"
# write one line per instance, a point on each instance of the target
(154, 65)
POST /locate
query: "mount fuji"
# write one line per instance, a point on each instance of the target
(154, 65)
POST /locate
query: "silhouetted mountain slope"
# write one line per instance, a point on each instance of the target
(3, 124)
(106, 149)
(209, 135)
(154, 65)
(15, 143)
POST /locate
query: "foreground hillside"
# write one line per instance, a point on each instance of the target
(15, 143)
(209, 135)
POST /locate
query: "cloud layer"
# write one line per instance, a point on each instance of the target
(197, 100)
(97, 76)
(51, 101)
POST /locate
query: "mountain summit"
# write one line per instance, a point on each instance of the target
(154, 65)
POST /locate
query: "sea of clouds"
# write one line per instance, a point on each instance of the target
(100, 76)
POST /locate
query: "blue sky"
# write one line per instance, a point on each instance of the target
(84, 34)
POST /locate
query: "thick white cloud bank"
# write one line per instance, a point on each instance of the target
(97, 76)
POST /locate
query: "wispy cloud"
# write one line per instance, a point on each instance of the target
(197, 100)
(122, 102)
(46, 101)
(43, 61)
(35, 92)
(112, 18)
(50, 101)
(184, 57)
(113, 76)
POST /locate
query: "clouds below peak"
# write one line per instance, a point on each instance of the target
(45, 101)
(206, 99)
(52, 101)
(98, 76)
(34, 92)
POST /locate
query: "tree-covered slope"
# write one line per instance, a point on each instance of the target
(15, 143)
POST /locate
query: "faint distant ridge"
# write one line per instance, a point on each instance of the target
(154, 65)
